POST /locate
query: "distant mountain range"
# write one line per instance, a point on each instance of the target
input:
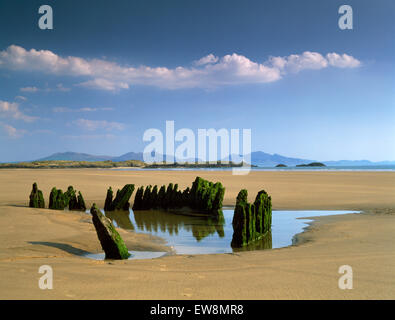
(263, 159)
(75, 156)
(258, 158)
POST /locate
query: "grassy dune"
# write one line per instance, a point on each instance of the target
(59, 164)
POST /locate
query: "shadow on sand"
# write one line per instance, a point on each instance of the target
(62, 246)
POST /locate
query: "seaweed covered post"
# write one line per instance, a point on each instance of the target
(219, 197)
(108, 202)
(173, 197)
(57, 199)
(203, 196)
(185, 197)
(161, 196)
(240, 220)
(263, 205)
(146, 204)
(154, 196)
(195, 191)
(36, 198)
(251, 222)
(166, 204)
(52, 198)
(121, 201)
(81, 202)
(70, 199)
(109, 238)
(138, 199)
(206, 196)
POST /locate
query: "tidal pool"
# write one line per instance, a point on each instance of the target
(199, 234)
(134, 255)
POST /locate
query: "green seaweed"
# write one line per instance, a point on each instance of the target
(57, 199)
(36, 198)
(251, 221)
(108, 201)
(110, 240)
(204, 196)
(138, 200)
(121, 201)
(81, 202)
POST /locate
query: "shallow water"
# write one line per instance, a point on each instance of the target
(134, 255)
(199, 234)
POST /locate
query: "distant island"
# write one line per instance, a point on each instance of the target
(197, 165)
(312, 164)
(280, 165)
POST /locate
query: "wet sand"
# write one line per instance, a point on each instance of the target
(30, 238)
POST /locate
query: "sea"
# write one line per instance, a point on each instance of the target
(326, 168)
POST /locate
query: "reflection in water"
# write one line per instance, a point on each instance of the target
(200, 226)
(156, 221)
(191, 233)
(120, 219)
(186, 232)
(264, 243)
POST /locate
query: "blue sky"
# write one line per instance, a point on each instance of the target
(108, 72)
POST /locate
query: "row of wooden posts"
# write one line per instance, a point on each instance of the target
(58, 200)
(251, 221)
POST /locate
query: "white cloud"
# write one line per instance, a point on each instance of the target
(207, 72)
(206, 60)
(342, 61)
(104, 84)
(61, 109)
(92, 125)
(296, 62)
(13, 132)
(86, 109)
(18, 58)
(11, 110)
(29, 89)
(58, 87)
(90, 136)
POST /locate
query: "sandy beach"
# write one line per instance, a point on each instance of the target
(30, 238)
